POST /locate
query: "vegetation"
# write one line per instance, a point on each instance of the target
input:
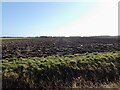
(59, 62)
(71, 70)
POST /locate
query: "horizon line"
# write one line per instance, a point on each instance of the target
(57, 36)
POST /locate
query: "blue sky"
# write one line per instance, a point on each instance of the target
(49, 19)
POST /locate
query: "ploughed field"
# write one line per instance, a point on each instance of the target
(38, 47)
(61, 62)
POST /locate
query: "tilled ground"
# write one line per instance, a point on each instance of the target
(37, 47)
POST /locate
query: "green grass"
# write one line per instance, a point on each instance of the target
(12, 38)
(61, 70)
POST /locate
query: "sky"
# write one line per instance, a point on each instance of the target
(59, 19)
